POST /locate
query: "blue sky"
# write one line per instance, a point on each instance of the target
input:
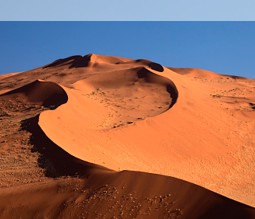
(127, 10)
(224, 47)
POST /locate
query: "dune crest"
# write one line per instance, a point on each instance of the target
(86, 61)
(49, 94)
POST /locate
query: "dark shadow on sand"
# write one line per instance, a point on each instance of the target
(52, 158)
(170, 86)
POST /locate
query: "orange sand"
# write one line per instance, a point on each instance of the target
(136, 115)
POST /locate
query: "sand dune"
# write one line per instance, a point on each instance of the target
(206, 153)
(109, 114)
(47, 94)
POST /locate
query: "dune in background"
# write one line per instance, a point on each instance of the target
(137, 139)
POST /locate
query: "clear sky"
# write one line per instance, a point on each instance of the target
(223, 47)
(127, 10)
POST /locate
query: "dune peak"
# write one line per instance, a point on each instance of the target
(79, 61)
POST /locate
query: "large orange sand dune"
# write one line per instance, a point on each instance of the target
(136, 115)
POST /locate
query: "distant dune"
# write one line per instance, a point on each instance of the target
(99, 136)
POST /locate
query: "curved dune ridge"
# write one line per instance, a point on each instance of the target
(116, 100)
(85, 61)
(48, 94)
(136, 115)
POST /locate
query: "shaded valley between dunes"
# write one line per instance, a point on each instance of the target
(109, 137)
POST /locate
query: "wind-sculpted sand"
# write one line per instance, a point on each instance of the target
(115, 137)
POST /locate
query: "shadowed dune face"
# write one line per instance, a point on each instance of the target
(53, 159)
(66, 61)
(84, 61)
(153, 65)
(252, 105)
(153, 78)
(48, 94)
